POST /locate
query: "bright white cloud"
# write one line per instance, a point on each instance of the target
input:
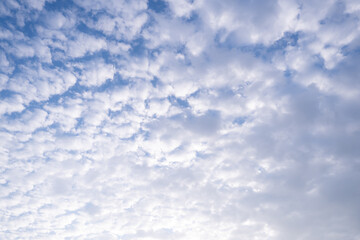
(179, 120)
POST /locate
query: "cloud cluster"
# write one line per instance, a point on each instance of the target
(166, 119)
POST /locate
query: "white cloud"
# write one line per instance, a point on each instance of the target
(84, 44)
(11, 104)
(29, 121)
(96, 73)
(5, 34)
(36, 4)
(55, 20)
(36, 83)
(21, 50)
(179, 120)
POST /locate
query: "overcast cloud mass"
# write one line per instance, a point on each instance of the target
(180, 119)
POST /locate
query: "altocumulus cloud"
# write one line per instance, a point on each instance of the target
(180, 119)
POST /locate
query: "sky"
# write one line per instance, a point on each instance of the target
(180, 119)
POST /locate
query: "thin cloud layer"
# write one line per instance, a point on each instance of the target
(179, 119)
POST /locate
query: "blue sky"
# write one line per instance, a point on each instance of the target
(179, 119)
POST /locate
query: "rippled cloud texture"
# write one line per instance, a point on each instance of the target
(180, 119)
